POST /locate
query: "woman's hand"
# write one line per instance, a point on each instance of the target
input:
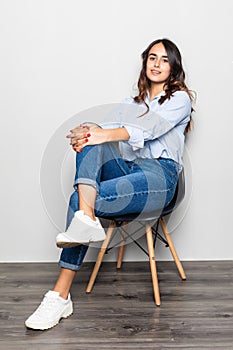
(91, 134)
(79, 135)
(85, 135)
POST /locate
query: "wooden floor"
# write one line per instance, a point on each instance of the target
(120, 312)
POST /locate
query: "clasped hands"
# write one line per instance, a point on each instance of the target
(85, 135)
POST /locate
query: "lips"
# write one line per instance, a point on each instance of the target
(155, 72)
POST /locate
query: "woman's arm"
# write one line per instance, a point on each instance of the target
(158, 122)
(91, 134)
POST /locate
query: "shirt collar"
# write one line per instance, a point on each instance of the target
(162, 93)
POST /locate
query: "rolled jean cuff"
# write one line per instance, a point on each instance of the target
(69, 266)
(85, 181)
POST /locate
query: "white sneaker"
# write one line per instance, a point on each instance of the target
(82, 230)
(50, 311)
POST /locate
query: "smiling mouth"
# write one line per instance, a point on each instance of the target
(155, 72)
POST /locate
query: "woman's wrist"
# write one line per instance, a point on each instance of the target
(118, 134)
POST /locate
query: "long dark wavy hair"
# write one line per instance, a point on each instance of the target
(175, 81)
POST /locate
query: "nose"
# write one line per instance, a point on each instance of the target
(157, 63)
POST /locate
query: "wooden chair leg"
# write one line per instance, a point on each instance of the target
(172, 249)
(120, 255)
(121, 251)
(154, 276)
(100, 257)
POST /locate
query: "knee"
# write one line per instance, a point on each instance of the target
(86, 152)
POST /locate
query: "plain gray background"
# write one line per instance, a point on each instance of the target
(60, 57)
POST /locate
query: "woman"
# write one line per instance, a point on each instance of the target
(146, 169)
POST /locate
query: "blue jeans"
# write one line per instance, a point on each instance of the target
(123, 187)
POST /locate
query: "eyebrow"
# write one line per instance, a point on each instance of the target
(154, 54)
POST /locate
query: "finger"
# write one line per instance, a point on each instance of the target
(76, 135)
(78, 142)
(77, 149)
(79, 134)
(80, 148)
(85, 126)
(80, 128)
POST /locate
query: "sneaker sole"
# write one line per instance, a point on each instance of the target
(68, 244)
(74, 244)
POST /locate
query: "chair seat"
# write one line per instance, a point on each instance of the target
(135, 217)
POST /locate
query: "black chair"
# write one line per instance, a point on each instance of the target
(151, 222)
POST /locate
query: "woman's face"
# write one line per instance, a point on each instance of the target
(157, 66)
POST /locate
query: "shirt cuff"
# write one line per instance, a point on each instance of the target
(136, 139)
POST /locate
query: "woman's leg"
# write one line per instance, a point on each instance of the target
(148, 187)
(57, 303)
(121, 190)
(87, 197)
(71, 258)
(101, 163)
(123, 187)
(64, 282)
(94, 165)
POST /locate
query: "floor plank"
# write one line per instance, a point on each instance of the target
(120, 312)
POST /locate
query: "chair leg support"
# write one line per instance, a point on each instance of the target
(153, 264)
(100, 257)
(172, 249)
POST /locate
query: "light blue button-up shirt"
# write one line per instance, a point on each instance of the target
(159, 133)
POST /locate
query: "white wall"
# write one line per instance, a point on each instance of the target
(59, 57)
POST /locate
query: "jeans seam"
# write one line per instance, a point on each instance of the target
(135, 193)
(98, 163)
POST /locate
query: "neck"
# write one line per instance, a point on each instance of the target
(155, 90)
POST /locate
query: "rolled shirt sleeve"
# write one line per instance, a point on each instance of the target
(154, 124)
(159, 132)
(137, 137)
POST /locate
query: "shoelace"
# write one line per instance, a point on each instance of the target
(46, 305)
(88, 220)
